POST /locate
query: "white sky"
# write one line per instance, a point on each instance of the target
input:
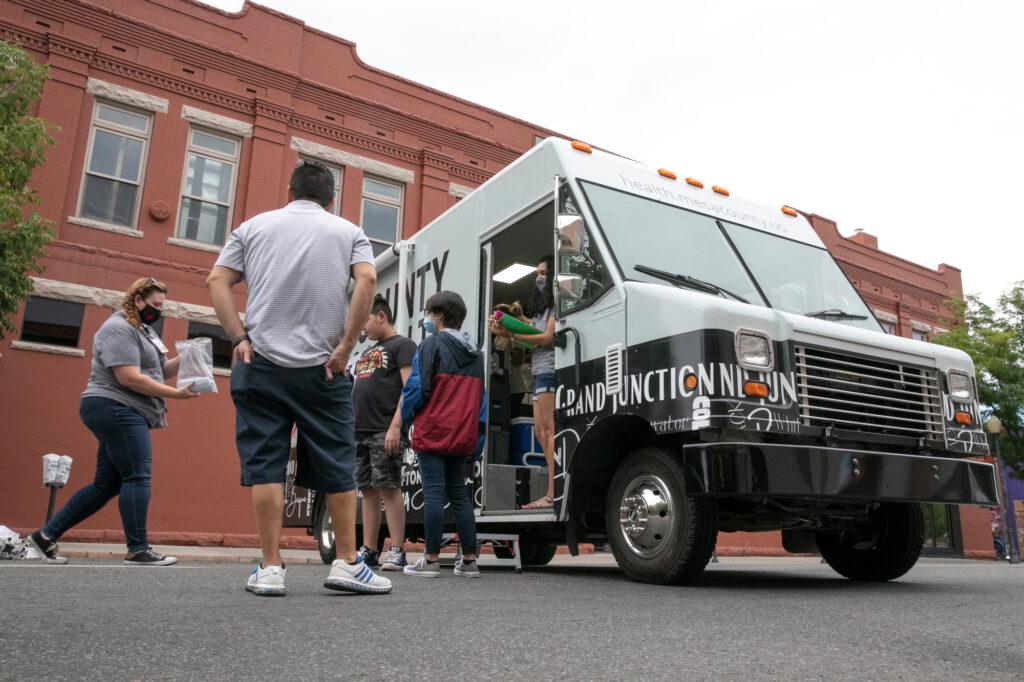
(902, 117)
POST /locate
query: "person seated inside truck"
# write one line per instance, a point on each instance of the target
(541, 308)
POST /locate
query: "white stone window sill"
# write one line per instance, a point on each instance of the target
(48, 348)
(221, 372)
(106, 227)
(198, 246)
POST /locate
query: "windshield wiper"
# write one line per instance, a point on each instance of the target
(837, 314)
(687, 281)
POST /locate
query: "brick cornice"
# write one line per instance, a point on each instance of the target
(855, 270)
(251, 71)
(469, 173)
(272, 111)
(436, 160)
(185, 88)
(28, 39)
(57, 44)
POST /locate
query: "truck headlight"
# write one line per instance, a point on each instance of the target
(960, 386)
(754, 350)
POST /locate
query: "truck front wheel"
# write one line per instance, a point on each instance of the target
(657, 533)
(884, 548)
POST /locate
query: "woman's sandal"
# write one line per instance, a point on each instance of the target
(542, 503)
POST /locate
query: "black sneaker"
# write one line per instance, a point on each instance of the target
(371, 557)
(148, 557)
(48, 549)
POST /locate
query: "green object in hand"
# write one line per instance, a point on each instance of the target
(514, 325)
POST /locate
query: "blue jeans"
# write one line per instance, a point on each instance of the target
(438, 474)
(123, 466)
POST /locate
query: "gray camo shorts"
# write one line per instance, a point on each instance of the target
(375, 468)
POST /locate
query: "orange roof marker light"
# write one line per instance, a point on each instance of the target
(665, 173)
(789, 210)
(720, 190)
(581, 146)
(695, 182)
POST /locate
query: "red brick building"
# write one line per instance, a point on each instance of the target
(177, 121)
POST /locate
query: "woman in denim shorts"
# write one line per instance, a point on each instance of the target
(541, 307)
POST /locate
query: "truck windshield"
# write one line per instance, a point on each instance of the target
(794, 276)
(800, 278)
(658, 236)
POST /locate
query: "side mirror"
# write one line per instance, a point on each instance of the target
(570, 235)
(570, 287)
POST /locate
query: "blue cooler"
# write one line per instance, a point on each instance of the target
(523, 447)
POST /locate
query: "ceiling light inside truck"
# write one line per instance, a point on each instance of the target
(514, 273)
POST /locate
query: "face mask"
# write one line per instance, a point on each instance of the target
(542, 281)
(429, 326)
(149, 315)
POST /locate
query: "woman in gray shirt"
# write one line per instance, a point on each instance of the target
(541, 307)
(122, 401)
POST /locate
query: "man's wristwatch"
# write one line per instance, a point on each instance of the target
(238, 339)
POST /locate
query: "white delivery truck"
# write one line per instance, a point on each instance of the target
(716, 372)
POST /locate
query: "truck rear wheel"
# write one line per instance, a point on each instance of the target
(536, 551)
(657, 533)
(323, 530)
(884, 548)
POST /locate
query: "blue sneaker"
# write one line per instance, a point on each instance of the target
(395, 560)
(370, 556)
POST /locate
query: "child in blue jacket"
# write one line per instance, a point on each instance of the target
(446, 404)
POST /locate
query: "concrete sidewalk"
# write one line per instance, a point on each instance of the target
(85, 550)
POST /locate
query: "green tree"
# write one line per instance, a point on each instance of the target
(24, 139)
(994, 338)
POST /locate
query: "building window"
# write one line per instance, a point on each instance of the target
(887, 327)
(115, 165)
(209, 187)
(53, 322)
(382, 212)
(339, 175)
(222, 350)
(919, 335)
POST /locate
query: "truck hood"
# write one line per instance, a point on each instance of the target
(674, 310)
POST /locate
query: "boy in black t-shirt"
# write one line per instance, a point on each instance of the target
(380, 374)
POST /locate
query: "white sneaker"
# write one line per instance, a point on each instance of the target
(357, 577)
(266, 581)
(423, 568)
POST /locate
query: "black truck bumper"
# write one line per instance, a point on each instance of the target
(771, 470)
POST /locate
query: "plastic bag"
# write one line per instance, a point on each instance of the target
(196, 368)
(56, 470)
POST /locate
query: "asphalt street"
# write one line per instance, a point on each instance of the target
(748, 618)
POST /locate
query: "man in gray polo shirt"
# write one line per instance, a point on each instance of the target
(290, 364)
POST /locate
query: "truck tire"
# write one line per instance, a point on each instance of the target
(883, 549)
(535, 551)
(657, 533)
(323, 531)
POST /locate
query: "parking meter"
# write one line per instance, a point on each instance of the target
(56, 472)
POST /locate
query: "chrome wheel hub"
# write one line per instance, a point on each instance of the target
(326, 530)
(646, 515)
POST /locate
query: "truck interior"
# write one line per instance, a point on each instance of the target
(514, 471)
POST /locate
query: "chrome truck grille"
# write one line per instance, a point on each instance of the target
(864, 394)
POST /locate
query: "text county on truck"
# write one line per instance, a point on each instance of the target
(716, 372)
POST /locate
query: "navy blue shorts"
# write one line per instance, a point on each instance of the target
(269, 400)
